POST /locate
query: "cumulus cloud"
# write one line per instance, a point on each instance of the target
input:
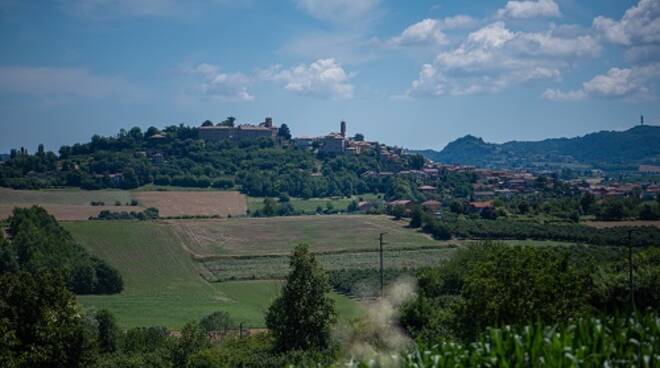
(628, 83)
(639, 25)
(324, 78)
(64, 83)
(529, 9)
(223, 86)
(338, 10)
(495, 57)
(431, 31)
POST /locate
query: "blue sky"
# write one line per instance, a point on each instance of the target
(416, 74)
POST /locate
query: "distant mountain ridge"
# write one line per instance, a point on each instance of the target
(608, 150)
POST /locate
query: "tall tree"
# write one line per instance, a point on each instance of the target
(284, 132)
(300, 319)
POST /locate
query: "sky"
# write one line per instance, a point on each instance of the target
(416, 74)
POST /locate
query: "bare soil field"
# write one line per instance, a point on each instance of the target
(608, 224)
(65, 204)
(278, 235)
(199, 203)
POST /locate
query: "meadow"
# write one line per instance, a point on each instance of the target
(75, 204)
(309, 206)
(278, 235)
(163, 285)
(66, 204)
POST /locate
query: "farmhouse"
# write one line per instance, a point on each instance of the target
(265, 129)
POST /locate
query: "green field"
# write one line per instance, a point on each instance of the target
(310, 205)
(163, 285)
(269, 267)
(70, 196)
(278, 235)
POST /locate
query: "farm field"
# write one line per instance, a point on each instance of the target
(608, 224)
(310, 205)
(193, 203)
(278, 235)
(269, 267)
(163, 285)
(65, 204)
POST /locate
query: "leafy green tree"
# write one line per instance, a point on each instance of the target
(416, 217)
(649, 212)
(217, 321)
(359, 137)
(398, 211)
(269, 207)
(40, 323)
(207, 123)
(284, 132)
(108, 332)
(193, 339)
(301, 318)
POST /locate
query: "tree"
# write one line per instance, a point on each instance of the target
(269, 207)
(193, 339)
(398, 211)
(416, 217)
(217, 321)
(108, 332)
(41, 324)
(284, 132)
(359, 137)
(229, 122)
(301, 318)
(207, 123)
(587, 201)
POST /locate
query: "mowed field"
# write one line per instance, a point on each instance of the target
(66, 204)
(279, 235)
(193, 203)
(75, 204)
(163, 285)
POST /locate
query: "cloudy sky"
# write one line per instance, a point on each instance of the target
(412, 73)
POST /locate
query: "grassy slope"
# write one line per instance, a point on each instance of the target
(162, 283)
(278, 235)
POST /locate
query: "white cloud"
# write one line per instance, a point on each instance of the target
(494, 58)
(431, 31)
(324, 78)
(558, 95)
(529, 9)
(628, 83)
(639, 25)
(338, 10)
(223, 86)
(65, 83)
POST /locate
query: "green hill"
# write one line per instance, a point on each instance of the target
(608, 150)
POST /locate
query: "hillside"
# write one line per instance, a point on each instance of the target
(608, 150)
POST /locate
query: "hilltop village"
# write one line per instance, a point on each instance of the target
(488, 184)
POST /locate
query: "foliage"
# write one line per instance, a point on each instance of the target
(150, 213)
(108, 332)
(217, 321)
(300, 319)
(492, 284)
(41, 324)
(585, 342)
(40, 243)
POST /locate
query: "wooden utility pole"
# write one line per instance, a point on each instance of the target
(382, 270)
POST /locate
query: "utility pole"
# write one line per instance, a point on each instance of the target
(631, 285)
(382, 271)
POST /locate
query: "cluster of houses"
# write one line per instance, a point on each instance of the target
(340, 143)
(600, 189)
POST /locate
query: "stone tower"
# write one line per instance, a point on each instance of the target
(342, 129)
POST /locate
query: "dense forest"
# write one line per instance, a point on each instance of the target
(608, 150)
(175, 156)
(39, 244)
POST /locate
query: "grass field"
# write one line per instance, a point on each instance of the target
(74, 204)
(278, 235)
(65, 204)
(310, 205)
(163, 285)
(269, 267)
